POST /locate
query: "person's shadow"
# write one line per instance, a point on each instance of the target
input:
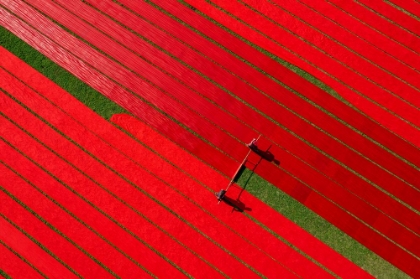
(266, 155)
(236, 205)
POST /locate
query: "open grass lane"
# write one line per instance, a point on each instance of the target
(203, 130)
(211, 178)
(124, 143)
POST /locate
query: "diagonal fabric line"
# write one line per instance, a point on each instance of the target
(80, 234)
(20, 243)
(35, 227)
(364, 31)
(15, 266)
(351, 41)
(140, 179)
(298, 105)
(377, 113)
(410, 6)
(260, 211)
(139, 226)
(96, 124)
(343, 155)
(404, 21)
(381, 25)
(325, 61)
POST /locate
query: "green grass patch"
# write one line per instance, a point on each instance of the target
(90, 97)
(317, 226)
(4, 274)
(257, 186)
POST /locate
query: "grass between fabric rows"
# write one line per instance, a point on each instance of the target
(99, 103)
(298, 71)
(364, 56)
(21, 258)
(32, 238)
(317, 226)
(403, 10)
(196, 71)
(343, 165)
(114, 107)
(268, 193)
(4, 274)
(384, 12)
(65, 210)
(98, 209)
(292, 67)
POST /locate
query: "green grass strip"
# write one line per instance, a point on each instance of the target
(288, 88)
(90, 97)
(343, 45)
(106, 115)
(257, 186)
(317, 226)
(4, 274)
